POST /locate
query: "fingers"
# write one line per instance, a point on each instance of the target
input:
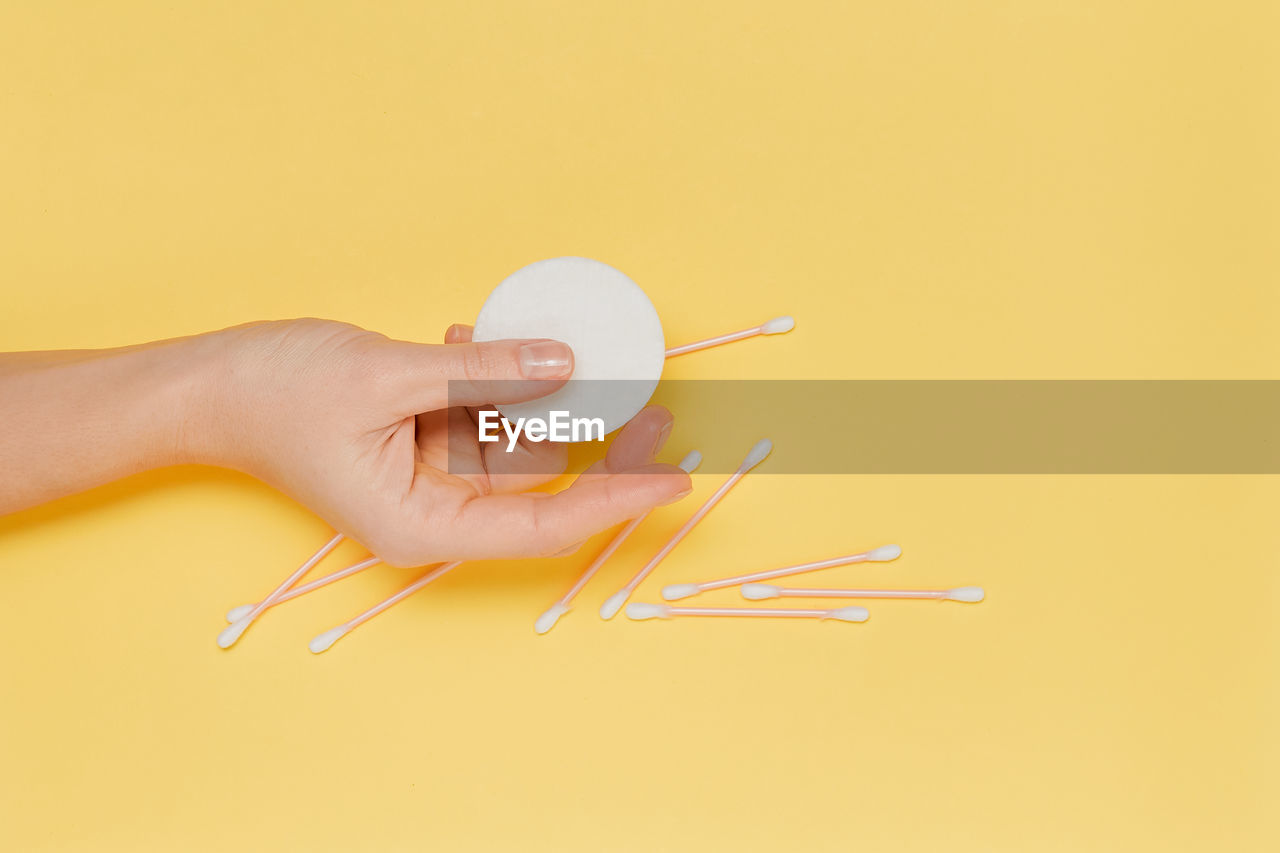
(640, 440)
(458, 333)
(526, 525)
(529, 464)
(636, 444)
(422, 377)
(453, 519)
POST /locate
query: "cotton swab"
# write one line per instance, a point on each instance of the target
(757, 455)
(548, 620)
(232, 632)
(322, 642)
(637, 610)
(883, 554)
(760, 591)
(236, 613)
(776, 326)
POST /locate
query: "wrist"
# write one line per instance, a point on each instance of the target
(203, 431)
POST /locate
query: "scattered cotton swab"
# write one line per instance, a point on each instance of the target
(760, 591)
(776, 326)
(232, 632)
(637, 610)
(614, 603)
(237, 613)
(548, 620)
(323, 641)
(883, 554)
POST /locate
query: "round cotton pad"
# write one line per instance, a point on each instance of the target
(604, 316)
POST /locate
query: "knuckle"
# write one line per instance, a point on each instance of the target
(540, 537)
(483, 361)
(475, 362)
(363, 371)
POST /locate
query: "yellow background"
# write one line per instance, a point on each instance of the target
(934, 190)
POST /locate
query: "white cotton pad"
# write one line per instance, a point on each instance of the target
(604, 316)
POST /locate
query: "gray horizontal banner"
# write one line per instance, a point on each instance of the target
(973, 427)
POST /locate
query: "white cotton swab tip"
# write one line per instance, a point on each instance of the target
(232, 632)
(966, 593)
(322, 642)
(778, 325)
(759, 591)
(639, 610)
(849, 614)
(677, 591)
(614, 603)
(548, 620)
(762, 448)
(690, 463)
(235, 614)
(884, 554)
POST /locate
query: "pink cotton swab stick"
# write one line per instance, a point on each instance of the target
(761, 591)
(883, 554)
(776, 326)
(236, 613)
(548, 620)
(637, 610)
(323, 641)
(757, 455)
(227, 638)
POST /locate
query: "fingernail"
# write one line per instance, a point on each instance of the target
(661, 440)
(545, 360)
(452, 334)
(677, 496)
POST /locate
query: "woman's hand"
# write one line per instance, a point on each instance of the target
(359, 428)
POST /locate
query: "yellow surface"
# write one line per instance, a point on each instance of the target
(941, 190)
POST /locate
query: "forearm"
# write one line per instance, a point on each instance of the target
(76, 419)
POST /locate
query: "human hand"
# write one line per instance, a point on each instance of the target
(358, 427)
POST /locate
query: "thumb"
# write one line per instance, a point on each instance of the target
(426, 377)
